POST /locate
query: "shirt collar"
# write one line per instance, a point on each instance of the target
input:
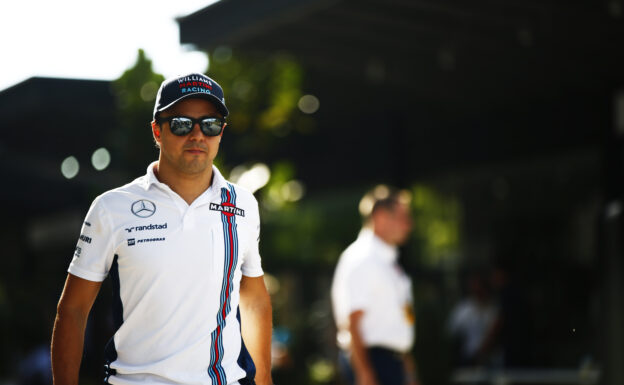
(385, 251)
(218, 180)
(150, 178)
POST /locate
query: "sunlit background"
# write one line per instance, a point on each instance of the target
(93, 40)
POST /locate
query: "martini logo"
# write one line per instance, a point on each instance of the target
(195, 84)
(194, 81)
(227, 209)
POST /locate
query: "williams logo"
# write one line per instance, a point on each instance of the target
(143, 208)
(227, 209)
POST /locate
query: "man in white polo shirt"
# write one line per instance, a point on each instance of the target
(180, 245)
(371, 296)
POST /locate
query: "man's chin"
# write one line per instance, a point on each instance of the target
(195, 166)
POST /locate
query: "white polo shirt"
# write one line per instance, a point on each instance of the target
(175, 271)
(368, 278)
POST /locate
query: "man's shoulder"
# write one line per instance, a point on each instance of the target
(137, 186)
(361, 248)
(132, 191)
(357, 256)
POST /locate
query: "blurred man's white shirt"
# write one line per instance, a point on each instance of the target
(368, 278)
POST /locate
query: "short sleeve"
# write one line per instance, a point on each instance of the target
(94, 253)
(252, 263)
(359, 283)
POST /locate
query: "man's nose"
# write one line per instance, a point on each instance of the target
(196, 132)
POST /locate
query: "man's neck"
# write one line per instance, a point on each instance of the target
(187, 186)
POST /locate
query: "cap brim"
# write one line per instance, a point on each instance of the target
(200, 95)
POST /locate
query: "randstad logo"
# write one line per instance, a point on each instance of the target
(148, 227)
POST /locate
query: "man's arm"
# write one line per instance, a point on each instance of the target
(364, 374)
(69, 328)
(410, 370)
(256, 325)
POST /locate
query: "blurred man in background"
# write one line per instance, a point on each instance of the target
(470, 323)
(181, 247)
(372, 295)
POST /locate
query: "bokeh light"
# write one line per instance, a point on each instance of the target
(272, 283)
(309, 104)
(292, 191)
(222, 54)
(100, 159)
(253, 179)
(70, 167)
(148, 91)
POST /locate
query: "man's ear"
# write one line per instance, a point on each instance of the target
(156, 132)
(221, 134)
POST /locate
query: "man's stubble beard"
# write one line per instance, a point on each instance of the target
(194, 166)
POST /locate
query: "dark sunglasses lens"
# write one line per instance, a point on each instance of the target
(181, 126)
(211, 126)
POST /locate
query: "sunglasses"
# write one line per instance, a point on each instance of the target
(183, 125)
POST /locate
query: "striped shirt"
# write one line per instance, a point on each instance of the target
(175, 270)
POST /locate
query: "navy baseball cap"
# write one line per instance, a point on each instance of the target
(193, 85)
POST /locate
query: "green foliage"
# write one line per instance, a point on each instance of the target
(262, 95)
(135, 94)
(310, 233)
(437, 225)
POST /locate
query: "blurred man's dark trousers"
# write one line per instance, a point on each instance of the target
(387, 364)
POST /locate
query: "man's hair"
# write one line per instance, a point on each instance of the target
(382, 197)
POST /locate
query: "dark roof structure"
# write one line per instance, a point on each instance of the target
(445, 51)
(45, 120)
(476, 81)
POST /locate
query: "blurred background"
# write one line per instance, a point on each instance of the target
(504, 119)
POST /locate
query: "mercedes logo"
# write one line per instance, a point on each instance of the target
(143, 208)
